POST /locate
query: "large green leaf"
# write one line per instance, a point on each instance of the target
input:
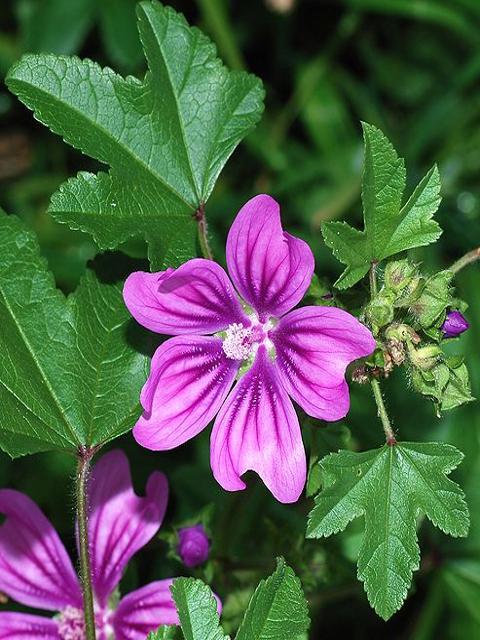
(389, 487)
(68, 376)
(389, 227)
(197, 610)
(278, 609)
(166, 138)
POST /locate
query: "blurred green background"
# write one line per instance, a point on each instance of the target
(412, 67)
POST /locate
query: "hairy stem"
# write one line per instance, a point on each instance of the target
(468, 258)
(382, 413)
(201, 219)
(83, 468)
(377, 392)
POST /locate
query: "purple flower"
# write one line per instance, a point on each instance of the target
(220, 336)
(36, 570)
(455, 324)
(193, 545)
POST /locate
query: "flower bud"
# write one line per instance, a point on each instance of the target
(379, 311)
(425, 358)
(455, 324)
(398, 274)
(193, 545)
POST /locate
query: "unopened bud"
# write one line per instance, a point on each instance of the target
(379, 311)
(399, 273)
(455, 324)
(402, 332)
(425, 358)
(193, 545)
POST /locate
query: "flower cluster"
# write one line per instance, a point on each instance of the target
(246, 331)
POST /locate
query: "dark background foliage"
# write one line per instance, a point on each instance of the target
(413, 69)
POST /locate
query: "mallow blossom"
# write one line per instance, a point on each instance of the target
(246, 331)
(36, 570)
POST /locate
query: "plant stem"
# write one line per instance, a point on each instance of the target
(84, 458)
(377, 392)
(373, 279)
(201, 219)
(382, 413)
(468, 258)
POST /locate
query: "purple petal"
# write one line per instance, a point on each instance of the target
(314, 345)
(120, 522)
(257, 428)
(270, 268)
(145, 610)
(34, 566)
(196, 298)
(455, 324)
(22, 626)
(189, 379)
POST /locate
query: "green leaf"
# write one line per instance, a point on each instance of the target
(164, 633)
(389, 228)
(69, 376)
(278, 609)
(447, 383)
(197, 610)
(166, 138)
(389, 487)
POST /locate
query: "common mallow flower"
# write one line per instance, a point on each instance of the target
(36, 570)
(455, 324)
(193, 545)
(248, 332)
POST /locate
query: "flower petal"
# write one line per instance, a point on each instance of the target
(189, 379)
(270, 268)
(196, 298)
(34, 566)
(22, 626)
(257, 428)
(314, 346)
(145, 610)
(120, 522)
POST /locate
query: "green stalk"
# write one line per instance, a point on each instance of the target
(84, 458)
(377, 392)
(468, 258)
(203, 232)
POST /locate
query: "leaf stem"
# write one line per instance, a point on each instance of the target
(84, 457)
(201, 219)
(382, 413)
(373, 279)
(468, 258)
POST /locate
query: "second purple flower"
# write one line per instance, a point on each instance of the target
(252, 335)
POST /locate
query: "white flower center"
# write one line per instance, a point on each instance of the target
(71, 625)
(241, 343)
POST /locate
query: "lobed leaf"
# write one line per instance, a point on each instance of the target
(389, 228)
(389, 487)
(165, 138)
(69, 376)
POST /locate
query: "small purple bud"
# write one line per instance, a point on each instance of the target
(455, 324)
(193, 545)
